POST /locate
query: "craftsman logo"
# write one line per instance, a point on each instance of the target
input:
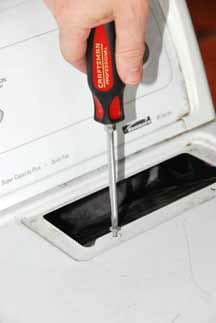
(137, 125)
(102, 61)
(102, 65)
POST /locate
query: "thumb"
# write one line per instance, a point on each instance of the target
(130, 20)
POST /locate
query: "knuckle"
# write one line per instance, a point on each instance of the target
(58, 10)
(145, 5)
(73, 60)
(69, 56)
(137, 8)
(62, 12)
(132, 54)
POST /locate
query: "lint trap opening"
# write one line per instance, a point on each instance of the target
(88, 219)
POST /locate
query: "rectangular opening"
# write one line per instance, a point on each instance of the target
(88, 219)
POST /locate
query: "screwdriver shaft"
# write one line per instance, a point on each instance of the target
(112, 180)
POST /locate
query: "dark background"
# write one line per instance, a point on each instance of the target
(203, 14)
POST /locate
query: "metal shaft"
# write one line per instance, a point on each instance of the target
(112, 180)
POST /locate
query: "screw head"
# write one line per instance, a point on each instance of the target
(213, 187)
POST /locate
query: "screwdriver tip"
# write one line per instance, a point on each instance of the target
(115, 232)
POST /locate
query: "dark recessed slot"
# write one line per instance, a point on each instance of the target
(88, 219)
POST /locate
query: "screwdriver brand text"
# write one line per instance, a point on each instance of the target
(102, 66)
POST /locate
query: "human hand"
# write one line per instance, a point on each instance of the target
(76, 18)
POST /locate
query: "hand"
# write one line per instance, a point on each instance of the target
(76, 18)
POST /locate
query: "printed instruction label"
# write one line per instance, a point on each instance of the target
(34, 170)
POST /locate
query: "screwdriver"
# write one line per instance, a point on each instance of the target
(107, 89)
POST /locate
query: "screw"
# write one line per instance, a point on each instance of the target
(213, 187)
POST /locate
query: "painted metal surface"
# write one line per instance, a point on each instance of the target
(165, 275)
(39, 112)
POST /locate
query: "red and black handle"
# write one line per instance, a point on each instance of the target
(104, 81)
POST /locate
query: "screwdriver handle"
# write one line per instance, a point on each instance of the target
(103, 79)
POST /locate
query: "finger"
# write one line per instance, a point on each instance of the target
(131, 21)
(73, 43)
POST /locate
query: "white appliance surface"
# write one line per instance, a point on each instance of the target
(43, 94)
(10, 4)
(165, 275)
(47, 126)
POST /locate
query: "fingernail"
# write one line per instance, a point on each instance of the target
(133, 76)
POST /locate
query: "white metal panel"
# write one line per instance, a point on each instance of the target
(47, 132)
(165, 275)
(43, 94)
(198, 143)
(22, 20)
